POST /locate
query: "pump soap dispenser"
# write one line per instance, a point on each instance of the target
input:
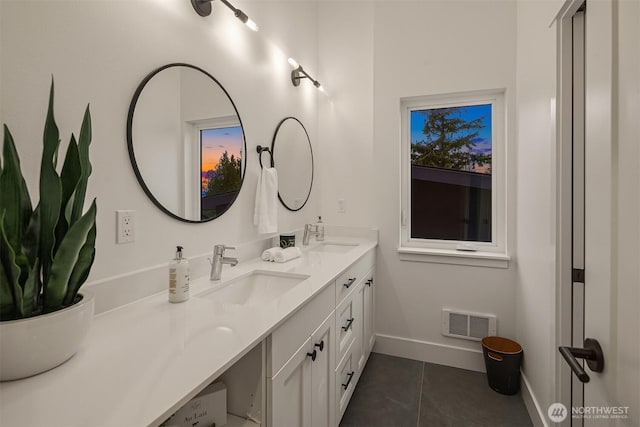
(320, 229)
(179, 278)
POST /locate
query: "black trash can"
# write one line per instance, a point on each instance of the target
(502, 358)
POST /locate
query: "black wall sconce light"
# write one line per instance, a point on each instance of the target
(298, 73)
(203, 8)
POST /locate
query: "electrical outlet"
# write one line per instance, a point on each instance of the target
(341, 206)
(125, 226)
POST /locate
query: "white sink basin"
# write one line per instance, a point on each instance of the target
(255, 288)
(333, 247)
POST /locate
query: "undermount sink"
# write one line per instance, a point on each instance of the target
(255, 288)
(333, 247)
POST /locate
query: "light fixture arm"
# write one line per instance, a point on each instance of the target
(299, 73)
(229, 5)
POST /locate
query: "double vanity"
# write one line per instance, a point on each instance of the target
(289, 340)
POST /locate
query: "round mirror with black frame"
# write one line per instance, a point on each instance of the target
(293, 158)
(186, 142)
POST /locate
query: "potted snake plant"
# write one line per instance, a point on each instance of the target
(46, 253)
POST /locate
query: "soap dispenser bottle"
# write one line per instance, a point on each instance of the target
(320, 229)
(179, 278)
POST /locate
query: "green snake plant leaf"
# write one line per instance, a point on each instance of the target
(50, 192)
(69, 176)
(31, 290)
(31, 237)
(14, 195)
(66, 258)
(83, 266)
(7, 305)
(85, 166)
(11, 270)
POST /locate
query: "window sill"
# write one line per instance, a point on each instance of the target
(449, 256)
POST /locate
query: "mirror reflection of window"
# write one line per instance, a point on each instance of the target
(220, 168)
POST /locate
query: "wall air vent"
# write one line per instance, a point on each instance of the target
(467, 325)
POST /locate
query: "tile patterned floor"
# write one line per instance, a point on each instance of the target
(397, 392)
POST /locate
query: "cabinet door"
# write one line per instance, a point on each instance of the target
(358, 348)
(323, 412)
(345, 383)
(345, 323)
(290, 391)
(369, 314)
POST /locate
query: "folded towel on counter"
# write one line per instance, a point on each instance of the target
(265, 214)
(287, 254)
(277, 254)
(269, 254)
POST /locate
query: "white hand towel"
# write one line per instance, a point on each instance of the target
(269, 254)
(287, 254)
(265, 214)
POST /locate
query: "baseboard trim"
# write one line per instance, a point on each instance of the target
(424, 351)
(536, 414)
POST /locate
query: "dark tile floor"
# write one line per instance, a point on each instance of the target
(397, 392)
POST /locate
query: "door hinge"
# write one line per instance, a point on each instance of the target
(578, 275)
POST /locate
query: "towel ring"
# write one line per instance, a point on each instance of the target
(260, 149)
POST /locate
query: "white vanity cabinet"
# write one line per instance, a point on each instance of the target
(336, 329)
(302, 391)
(354, 316)
(300, 388)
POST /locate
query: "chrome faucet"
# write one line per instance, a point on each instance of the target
(312, 230)
(219, 259)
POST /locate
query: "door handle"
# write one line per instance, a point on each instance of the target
(349, 323)
(592, 353)
(312, 355)
(350, 375)
(349, 283)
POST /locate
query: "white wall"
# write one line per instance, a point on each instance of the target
(99, 51)
(626, 290)
(535, 301)
(345, 113)
(374, 53)
(425, 48)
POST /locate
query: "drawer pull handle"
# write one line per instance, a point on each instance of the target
(349, 283)
(320, 346)
(350, 375)
(349, 323)
(312, 355)
(370, 282)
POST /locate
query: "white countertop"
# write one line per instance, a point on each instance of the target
(144, 360)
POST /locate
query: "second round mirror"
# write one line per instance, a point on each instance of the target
(293, 157)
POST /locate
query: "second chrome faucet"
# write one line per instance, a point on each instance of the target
(219, 259)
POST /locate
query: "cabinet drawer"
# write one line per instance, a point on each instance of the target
(346, 377)
(349, 279)
(346, 324)
(289, 336)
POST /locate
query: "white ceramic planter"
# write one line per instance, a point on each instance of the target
(36, 344)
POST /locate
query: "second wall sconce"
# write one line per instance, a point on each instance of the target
(298, 73)
(203, 8)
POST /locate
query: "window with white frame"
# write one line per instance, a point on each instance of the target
(453, 174)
